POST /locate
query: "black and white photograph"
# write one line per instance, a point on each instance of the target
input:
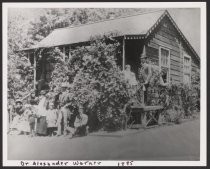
(101, 83)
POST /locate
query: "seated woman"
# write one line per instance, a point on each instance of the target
(51, 118)
(129, 76)
(20, 121)
(32, 115)
(131, 80)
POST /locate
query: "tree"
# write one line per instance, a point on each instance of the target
(96, 81)
(20, 72)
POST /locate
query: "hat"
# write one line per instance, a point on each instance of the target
(43, 92)
(18, 101)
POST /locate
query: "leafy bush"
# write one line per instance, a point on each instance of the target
(196, 88)
(95, 81)
(20, 71)
(20, 77)
(157, 94)
(189, 100)
(174, 114)
(182, 97)
(178, 100)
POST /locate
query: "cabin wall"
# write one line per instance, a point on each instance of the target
(167, 36)
(195, 65)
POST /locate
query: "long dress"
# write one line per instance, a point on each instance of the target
(20, 121)
(41, 126)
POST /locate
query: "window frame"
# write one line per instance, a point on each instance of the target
(169, 63)
(185, 55)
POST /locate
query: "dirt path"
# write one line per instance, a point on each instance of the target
(178, 142)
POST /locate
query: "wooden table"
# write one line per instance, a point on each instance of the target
(148, 114)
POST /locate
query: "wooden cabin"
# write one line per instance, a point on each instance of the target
(152, 35)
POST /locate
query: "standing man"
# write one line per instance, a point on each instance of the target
(64, 114)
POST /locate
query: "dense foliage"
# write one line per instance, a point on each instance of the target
(179, 100)
(20, 71)
(95, 81)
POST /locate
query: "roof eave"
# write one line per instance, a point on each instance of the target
(26, 49)
(135, 36)
(166, 13)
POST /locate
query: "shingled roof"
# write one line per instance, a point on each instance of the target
(141, 24)
(138, 24)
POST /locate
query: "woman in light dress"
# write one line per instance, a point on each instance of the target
(130, 78)
(41, 125)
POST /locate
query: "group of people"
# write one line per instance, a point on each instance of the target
(41, 117)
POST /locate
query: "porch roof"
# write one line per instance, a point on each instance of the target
(130, 25)
(139, 25)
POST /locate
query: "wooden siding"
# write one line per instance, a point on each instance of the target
(194, 63)
(168, 37)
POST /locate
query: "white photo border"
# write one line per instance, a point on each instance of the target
(203, 54)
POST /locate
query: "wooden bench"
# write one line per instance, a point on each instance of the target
(148, 114)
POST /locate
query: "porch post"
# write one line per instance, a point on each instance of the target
(64, 53)
(69, 52)
(143, 54)
(34, 71)
(123, 62)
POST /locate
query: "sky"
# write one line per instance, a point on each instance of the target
(187, 19)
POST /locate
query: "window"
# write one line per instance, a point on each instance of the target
(187, 69)
(164, 64)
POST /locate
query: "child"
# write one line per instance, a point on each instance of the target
(51, 117)
(32, 120)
